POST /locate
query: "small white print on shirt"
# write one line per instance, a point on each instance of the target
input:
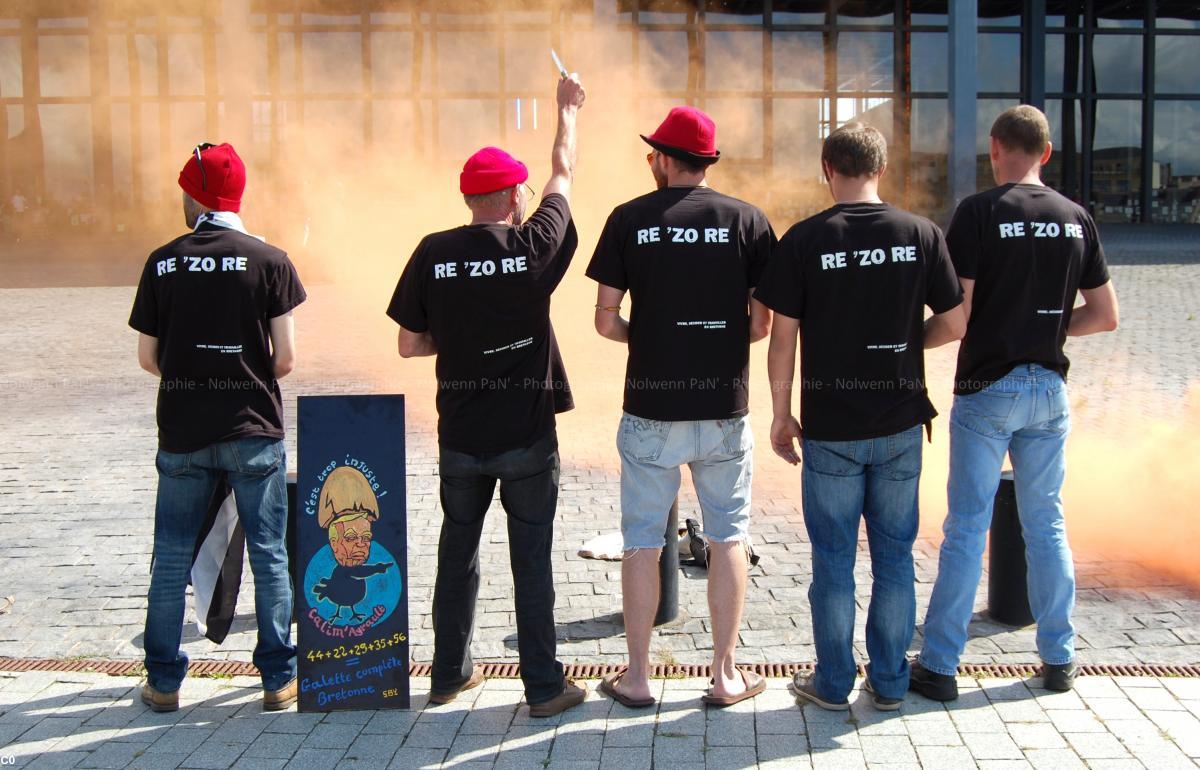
(1050, 311)
(235, 349)
(703, 324)
(511, 346)
(897, 348)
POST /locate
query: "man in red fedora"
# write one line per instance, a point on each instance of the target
(214, 314)
(689, 258)
(478, 298)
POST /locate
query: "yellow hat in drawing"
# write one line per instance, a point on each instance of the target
(345, 495)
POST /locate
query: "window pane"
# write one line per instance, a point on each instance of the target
(663, 60)
(733, 61)
(1177, 14)
(739, 127)
(927, 160)
(525, 56)
(1118, 63)
(930, 58)
(185, 64)
(864, 61)
(1117, 161)
(468, 61)
(874, 112)
(1120, 15)
(332, 62)
(986, 112)
(797, 190)
(866, 12)
(465, 125)
(391, 61)
(1062, 70)
(1176, 193)
(993, 14)
(1177, 64)
(1062, 171)
(732, 12)
(798, 61)
(64, 69)
(67, 142)
(999, 63)
(10, 66)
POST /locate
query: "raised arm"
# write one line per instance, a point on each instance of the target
(562, 157)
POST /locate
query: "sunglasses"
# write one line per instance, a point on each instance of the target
(200, 162)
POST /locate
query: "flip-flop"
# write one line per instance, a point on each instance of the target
(608, 686)
(755, 685)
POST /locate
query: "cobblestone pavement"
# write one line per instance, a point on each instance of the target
(77, 486)
(55, 720)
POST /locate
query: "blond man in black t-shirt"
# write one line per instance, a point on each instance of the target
(1023, 252)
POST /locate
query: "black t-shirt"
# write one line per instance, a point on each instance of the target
(208, 296)
(1029, 250)
(858, 277)
(483, 293)
(688, 256)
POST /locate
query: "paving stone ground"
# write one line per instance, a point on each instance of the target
(76, 501)
(55, 720)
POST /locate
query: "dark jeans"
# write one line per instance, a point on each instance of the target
(529, 493)
(256, 470)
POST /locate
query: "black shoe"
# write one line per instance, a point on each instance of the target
(882, 703)
(934, 686)
(1059, 678)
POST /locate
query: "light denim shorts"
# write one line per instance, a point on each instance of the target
(721, 457)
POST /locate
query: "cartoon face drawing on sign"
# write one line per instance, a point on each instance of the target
(347, 510)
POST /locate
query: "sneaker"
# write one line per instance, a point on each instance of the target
(160, 701)
(802, 688)
(572, 695)
(934, 686)
(278, 700)
(1059, 678)
(882, 703)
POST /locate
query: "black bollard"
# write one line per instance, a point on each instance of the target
(668, 570)
(1008, 594)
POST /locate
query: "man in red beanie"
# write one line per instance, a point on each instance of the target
(478, 297)
(214, 315)
(689, 258)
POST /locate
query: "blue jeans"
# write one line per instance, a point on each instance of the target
(256, 470)
(1025, 415)
(875, 479)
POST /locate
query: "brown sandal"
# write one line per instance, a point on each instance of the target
(608, 686)
(755, 685)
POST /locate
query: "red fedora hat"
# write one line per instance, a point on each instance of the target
(687, 134)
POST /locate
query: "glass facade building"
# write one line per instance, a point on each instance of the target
(100, 100)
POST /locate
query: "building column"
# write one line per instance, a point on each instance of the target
(964, 89)
(1033, 53)
(237, 124)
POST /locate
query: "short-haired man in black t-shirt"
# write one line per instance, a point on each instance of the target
(214, 312)
(852, 284)
(1022, 252)
(478, 297)
(689, 258)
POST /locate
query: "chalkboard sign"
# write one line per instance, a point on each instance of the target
(351, 553)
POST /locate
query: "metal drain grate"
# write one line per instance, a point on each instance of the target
(223, 668)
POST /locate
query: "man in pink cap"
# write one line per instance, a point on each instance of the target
(214, 314)
(689, 258)
(478, 298)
